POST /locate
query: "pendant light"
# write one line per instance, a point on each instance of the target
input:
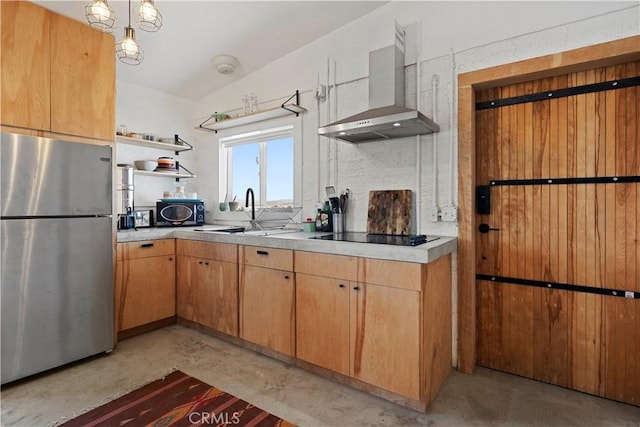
(148, 16)
(100, 15)
(127, 49)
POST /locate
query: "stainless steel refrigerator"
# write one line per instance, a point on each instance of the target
(57, 253)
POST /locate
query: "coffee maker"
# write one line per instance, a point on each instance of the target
(125, 190)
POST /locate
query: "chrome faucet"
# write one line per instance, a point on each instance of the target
(253, 205)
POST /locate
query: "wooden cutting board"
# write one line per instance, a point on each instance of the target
(390, 212)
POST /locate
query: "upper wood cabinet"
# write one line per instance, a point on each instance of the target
(25, 79)
(58, 74)
(82, 79)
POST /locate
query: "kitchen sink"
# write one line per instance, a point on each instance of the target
(229, 230)
(242, 230)
(270, 232)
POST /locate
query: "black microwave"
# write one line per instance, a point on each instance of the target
(179, 212)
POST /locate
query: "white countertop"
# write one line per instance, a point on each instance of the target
(300, 241)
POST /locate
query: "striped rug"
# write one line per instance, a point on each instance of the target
(178, 400)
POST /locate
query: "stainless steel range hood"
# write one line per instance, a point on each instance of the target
(387, 117)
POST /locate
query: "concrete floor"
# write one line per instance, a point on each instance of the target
(487, 398)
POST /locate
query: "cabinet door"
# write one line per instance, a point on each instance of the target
(149, 290)
(186, 285)
(322, 322)
(82, 79)
(217, 295)
(267, 304)
(385, 338)
(25, 78)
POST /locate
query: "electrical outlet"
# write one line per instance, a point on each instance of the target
(434, 214)
(321, 93)
(450, 213)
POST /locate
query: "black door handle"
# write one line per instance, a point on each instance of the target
(485, 228)
(262, 252)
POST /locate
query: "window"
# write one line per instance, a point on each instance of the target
(264, 161)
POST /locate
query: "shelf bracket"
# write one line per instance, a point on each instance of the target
(179, 166)
(180, 141)
(297, 97)
(202, 125)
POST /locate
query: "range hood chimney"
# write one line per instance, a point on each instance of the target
(387, 117)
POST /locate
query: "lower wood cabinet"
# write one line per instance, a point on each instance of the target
(393, 333)
(207, 285)
(385, 338)
(322, 321)
(383, 326)
(366, 331)
(267, 298)
(145, 282)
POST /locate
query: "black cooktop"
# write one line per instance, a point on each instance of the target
(382, 239)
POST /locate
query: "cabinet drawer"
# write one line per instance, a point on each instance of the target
(326, 265)
(277, 259)
(145, 249)
(403, 275)
(226, 252)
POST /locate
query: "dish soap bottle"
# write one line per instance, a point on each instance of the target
(319, 220)
(327, 218)
(179, 194)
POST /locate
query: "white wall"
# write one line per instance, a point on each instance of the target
(480, 34)
(147, 111)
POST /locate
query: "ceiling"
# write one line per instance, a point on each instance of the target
(178, 58)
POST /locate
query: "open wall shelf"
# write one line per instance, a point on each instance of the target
(164, 174)
(155, 144)
(179, 146)
(286, 108)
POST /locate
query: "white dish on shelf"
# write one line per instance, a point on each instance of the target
(145, 165)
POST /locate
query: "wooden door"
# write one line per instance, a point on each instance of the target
(267, 308)
(547, 276)
(385, 338)
(217, 295)
(322, 321)
(149, 290)
(82, 79)
(25, 78)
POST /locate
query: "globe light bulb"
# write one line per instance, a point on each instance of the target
(130, 46)
(100, 16)
(148, 11)
(128, 49)
(100, 11)
(148, 16)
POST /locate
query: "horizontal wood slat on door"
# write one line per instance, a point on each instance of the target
(585, 234)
